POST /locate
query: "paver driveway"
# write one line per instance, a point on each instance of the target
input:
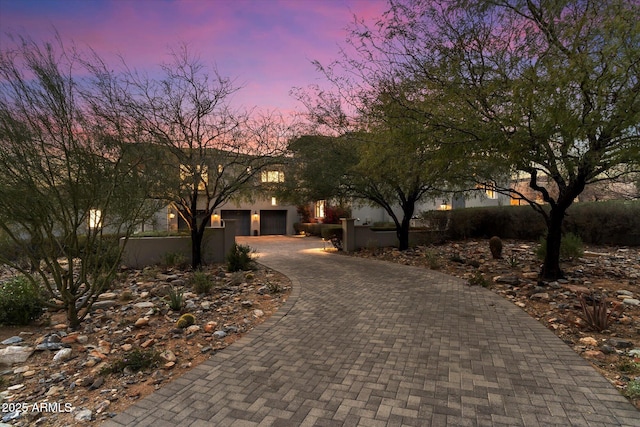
(370, 343)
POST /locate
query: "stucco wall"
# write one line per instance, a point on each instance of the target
(140, 252)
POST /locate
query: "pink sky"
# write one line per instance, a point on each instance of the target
(266, 46)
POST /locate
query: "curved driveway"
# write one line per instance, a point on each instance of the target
(371, 343)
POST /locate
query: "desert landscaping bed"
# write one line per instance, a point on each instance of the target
(130, 345)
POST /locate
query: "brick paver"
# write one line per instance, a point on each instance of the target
(369, 343)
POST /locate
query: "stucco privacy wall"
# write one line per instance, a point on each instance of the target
(361, 236)
(140, 252)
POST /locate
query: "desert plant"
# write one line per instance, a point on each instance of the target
(186, 320)
(201, 282)
(433, 260)
(570, 247)
(495, 245)
(239, 258)
(478, 279)
(629, 367)
(174, 259)
(633, 389)
(273, 287)
(176, 298)
(134, 361)
(20, 301)
(596, 315)
(513, 260)
(455, 257)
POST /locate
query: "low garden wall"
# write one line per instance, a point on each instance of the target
(140, 252)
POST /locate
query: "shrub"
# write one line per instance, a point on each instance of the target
(478, 279)
(495, 245)
(201, 282)
(20, 302)
(597, 316)
(334, 213)
(174, 259)
(433, 260)
(239, 258)
(176, 299)
(570, 247)
(186, 320)
(633, 389)
(135, 360)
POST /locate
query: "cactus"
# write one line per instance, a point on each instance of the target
(495, 245)
(186, 320)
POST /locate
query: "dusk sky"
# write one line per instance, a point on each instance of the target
(266, 46)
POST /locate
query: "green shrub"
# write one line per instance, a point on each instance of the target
(610, 222)
(633, 389)
(201, 282)
(20, 302)
(239, 258)
(135, 360)
(478, 279)
(174, 259)
(176, 299)
(570, 247)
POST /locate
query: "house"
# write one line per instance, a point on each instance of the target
(256, 210)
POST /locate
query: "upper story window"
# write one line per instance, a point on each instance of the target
(187, 174)
(272, 176)
(95, 218)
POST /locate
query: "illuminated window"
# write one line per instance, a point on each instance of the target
(203, 171)
(320, 204)
(489, 190)
(274, 201)
(95, 218)
(272, 176)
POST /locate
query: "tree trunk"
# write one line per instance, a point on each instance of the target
(196, 248)
(72, 315)
(403, 234)
(551, 268)
(403, 230)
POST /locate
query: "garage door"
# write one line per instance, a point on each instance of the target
(273, 222)
(243, 220)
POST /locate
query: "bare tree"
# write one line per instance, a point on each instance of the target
(211, 152)
(71, 185)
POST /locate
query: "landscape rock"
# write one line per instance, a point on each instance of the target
(12, 340)
(619, 343)
(103, 305)
(144, 304)
(631, 301)
(62, 355)
(219, 334)
(15, 354)
(83, 415)
(589, 341)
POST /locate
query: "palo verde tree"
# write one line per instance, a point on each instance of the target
(70, 183)
(316, 168)
(545, 90)
(400, 157)
(210, 152)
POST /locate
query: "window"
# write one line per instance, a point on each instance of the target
(320, 204)
(95, 218)
(272, 176)
(274, 201)
(489, 190)
(203, 171)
